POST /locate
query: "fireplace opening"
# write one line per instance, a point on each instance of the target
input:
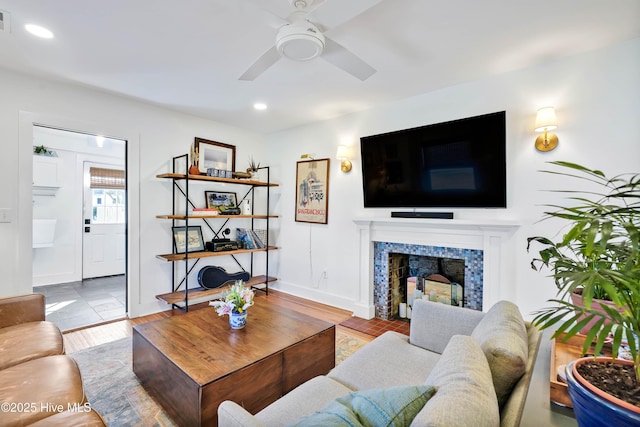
(411, 277)
(467, 270)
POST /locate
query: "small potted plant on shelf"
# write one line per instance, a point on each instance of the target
(194, 169)
(600, 256)
(253, 167)
(236, 302)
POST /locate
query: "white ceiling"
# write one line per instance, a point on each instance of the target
(187, 55)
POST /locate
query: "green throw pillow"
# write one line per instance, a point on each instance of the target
(390, 407)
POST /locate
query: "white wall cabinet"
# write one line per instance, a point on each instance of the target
(46, 175)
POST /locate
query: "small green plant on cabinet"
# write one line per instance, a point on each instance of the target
(41, 150)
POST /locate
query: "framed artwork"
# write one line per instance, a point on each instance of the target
(312, 191)
(215, 155)
(194, 238)
(220, 199)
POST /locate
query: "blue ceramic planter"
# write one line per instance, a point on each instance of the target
(238, 320)
(592, 410)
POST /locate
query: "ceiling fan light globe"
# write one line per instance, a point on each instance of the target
(300, 42)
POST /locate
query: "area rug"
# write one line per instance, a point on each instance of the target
(115, 392)
(113, 389)
(347, 344)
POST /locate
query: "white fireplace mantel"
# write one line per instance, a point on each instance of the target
(492, 236)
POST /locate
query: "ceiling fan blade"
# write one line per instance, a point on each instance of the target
(267, 59)
(332, 13)
(345, 60)
(270, 16)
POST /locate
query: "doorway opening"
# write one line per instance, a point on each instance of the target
(80, 222)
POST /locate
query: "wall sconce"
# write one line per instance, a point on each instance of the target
(343, 153)
(546, 121)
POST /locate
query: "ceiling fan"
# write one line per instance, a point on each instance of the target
(300, 39)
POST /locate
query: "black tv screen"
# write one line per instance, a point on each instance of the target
(456, 164)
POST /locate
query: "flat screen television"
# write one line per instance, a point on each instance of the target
(456, 164)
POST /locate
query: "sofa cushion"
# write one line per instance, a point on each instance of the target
(396, 406)
(502, 335)
(376, 364)
(433, 324)
(304, 399)
(27, 341)
(49, 383)
(465, 396)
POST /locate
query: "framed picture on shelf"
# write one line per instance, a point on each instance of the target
(220, 200)
(312, 191)
(215, 155)
(193, 237)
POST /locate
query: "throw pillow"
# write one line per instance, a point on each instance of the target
(465, 396)
(392, 407)
(502, 335)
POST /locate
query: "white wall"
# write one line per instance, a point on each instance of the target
(597, 100)
(154, 135)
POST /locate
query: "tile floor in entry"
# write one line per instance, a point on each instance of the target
(78, 304)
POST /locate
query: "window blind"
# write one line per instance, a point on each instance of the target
(107, 178)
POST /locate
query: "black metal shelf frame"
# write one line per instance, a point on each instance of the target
(179, 192)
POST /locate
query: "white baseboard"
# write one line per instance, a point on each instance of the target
(325, 298)
(359, 310)
(55, 279)
(137, 310)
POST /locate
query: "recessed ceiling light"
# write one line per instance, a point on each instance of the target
(260, 106)
(39, 31)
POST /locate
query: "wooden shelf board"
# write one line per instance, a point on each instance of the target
(206, 254)
(197, 293)
(561, 354)
(205, 215)
(216, 179)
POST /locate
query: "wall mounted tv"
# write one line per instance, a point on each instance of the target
(456, 164)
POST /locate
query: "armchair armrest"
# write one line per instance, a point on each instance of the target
(21, 309)
(230, 414)
(433, 324)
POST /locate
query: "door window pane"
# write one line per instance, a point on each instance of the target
(108, 206)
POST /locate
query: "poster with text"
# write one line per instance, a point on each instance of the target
(312, 191)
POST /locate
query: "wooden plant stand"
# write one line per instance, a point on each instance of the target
(561, 354)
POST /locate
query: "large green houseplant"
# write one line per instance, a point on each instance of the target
(599, 254)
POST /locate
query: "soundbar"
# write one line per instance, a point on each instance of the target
(439, 215)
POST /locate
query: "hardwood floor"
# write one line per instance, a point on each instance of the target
(101, 334)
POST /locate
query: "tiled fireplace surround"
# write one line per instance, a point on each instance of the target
(473, 269)
(485, 244)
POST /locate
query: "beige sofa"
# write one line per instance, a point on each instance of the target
(478, 364)
(39, 384)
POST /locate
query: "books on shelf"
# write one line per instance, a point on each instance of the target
(249, 238)
(262, 234)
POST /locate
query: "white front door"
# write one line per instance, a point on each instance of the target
(103, 252)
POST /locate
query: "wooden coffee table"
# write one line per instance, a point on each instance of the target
(191, 363)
